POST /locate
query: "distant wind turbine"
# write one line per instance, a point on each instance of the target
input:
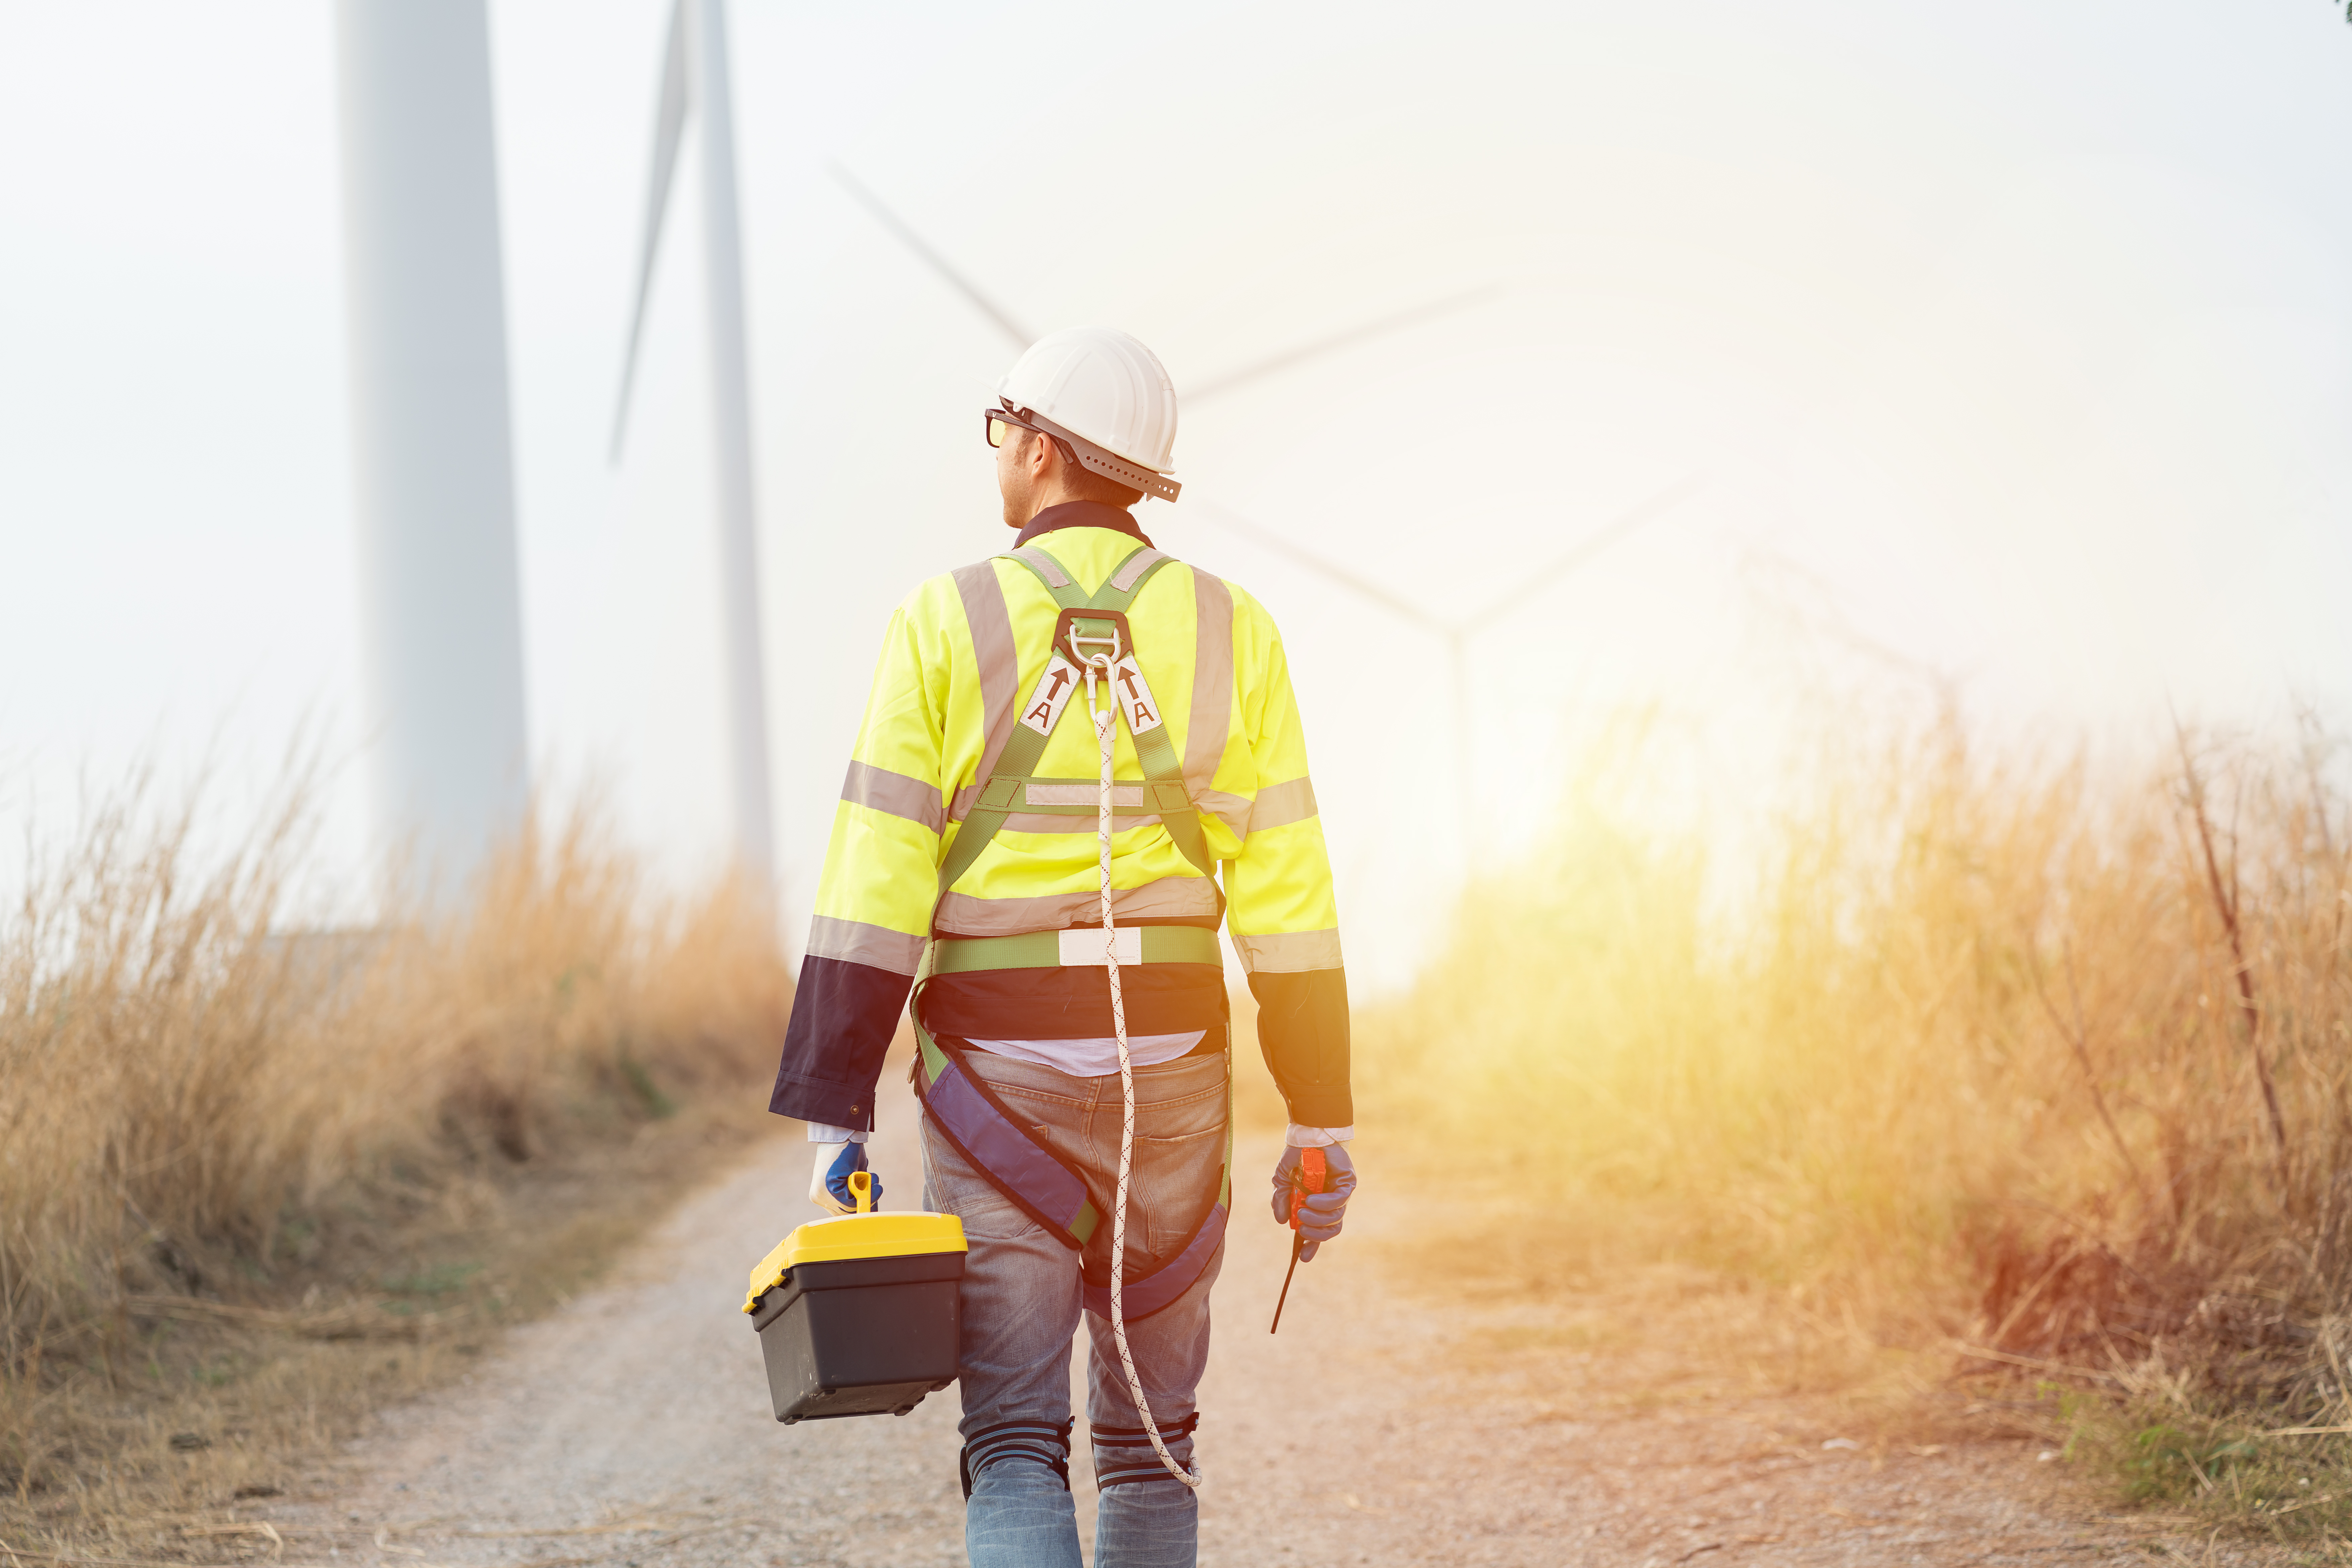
(1456, 635)
(1021, 337)
(694, 75)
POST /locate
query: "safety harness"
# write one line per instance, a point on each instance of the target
(1091, 643)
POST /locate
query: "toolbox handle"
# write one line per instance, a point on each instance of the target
(861, 1189)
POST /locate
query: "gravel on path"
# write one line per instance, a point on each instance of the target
(631, 1429)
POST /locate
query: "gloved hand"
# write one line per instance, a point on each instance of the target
(1319, 1217)
(829, 1183)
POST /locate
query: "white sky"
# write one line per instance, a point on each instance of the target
(2014, 338)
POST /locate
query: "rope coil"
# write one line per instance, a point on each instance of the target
(1105, 729)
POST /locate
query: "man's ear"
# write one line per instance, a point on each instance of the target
(1056, 466)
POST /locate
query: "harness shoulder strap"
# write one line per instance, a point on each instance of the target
(1119, 589)
(1155, 752)
(1058, 583)
(1164, 771)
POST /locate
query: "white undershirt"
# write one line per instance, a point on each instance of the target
(1096, 1058)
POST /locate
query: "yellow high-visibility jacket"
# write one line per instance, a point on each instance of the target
(962, 651)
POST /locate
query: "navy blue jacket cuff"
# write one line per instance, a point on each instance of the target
(1302, 1029)
(843, 1016)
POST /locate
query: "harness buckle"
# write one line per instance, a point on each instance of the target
(1079, 630)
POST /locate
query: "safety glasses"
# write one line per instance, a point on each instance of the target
(1001, 427)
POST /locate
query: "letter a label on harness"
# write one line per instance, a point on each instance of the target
(1044, 706)
(1135, 697)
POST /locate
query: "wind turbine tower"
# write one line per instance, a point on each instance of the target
(441, 623)
(694, 74)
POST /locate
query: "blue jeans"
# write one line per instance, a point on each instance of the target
(1022, 1306)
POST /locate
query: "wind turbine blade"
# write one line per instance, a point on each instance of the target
(1020, 336)
(1657, 506)
(669, 126)
(1361, 332)
(1322, 568)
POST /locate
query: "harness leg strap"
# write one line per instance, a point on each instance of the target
(1039, 1440)
(1123, 1454)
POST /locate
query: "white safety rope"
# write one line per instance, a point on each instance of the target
(1105, 729)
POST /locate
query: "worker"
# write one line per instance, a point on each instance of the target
(972, 865)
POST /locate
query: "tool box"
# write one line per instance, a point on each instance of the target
(859, 1315)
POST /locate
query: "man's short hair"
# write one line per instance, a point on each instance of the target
(1084, 484)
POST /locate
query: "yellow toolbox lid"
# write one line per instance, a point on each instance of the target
(853, 1235)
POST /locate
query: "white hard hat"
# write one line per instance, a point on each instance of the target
(1107, 396)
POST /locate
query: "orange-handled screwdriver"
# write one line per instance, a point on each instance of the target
(1313, 1173)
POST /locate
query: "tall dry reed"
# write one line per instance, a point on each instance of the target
(2049, 1060)
(181, 1078)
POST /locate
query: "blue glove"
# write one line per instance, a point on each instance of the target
(1319, 1216)
(829, 1183)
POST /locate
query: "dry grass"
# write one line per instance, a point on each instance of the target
(2020, 1057)
(1998, 1054)
(253, 1179)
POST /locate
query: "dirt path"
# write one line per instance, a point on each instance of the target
(1384, 1426)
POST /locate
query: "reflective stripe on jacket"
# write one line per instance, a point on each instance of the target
(961, 653)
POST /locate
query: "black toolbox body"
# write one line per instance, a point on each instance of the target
(861, 1336)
